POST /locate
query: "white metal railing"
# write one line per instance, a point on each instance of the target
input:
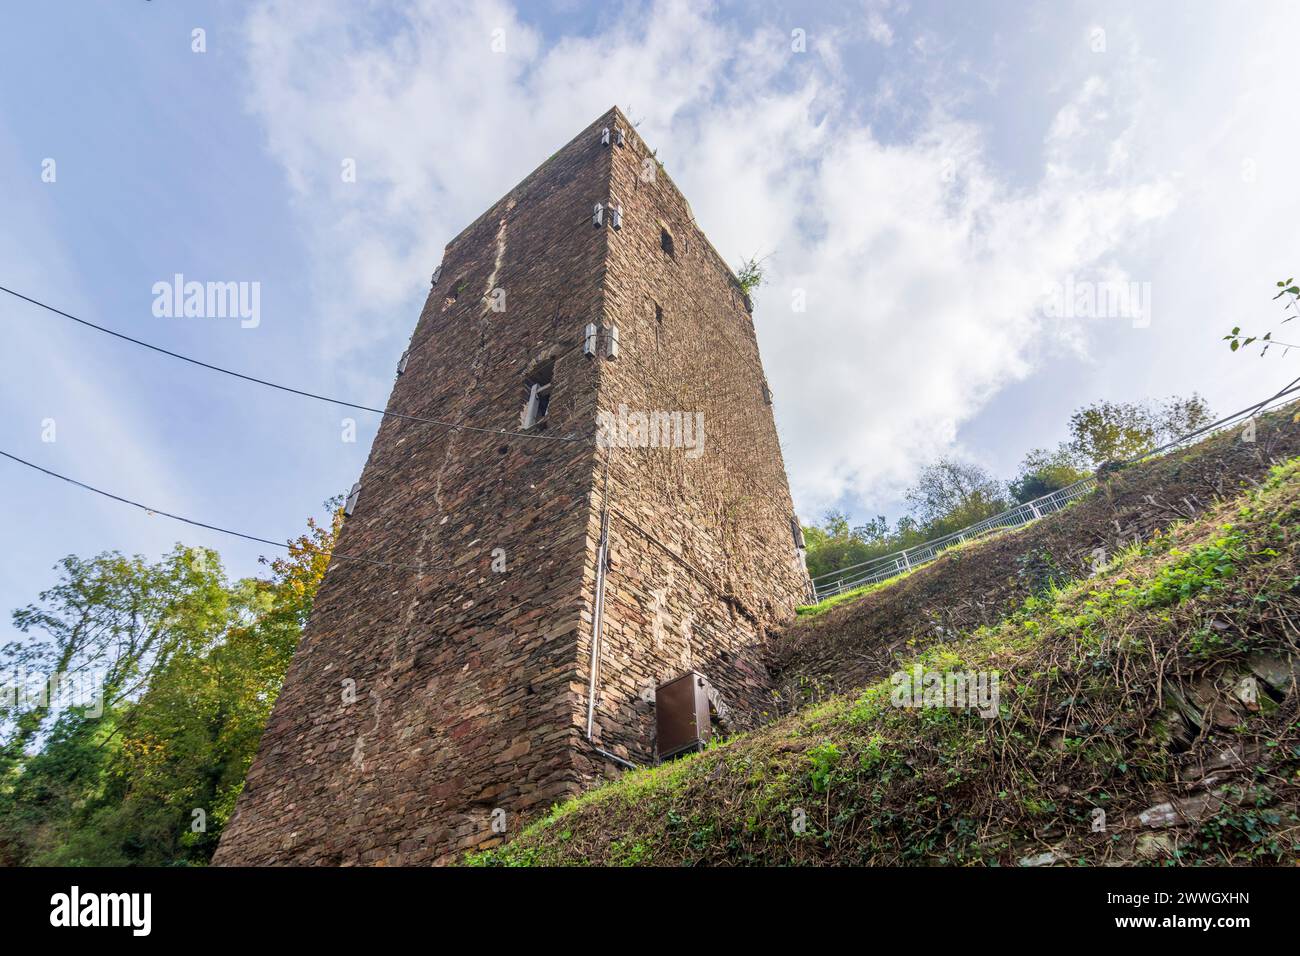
(889, 565)
(899, 562)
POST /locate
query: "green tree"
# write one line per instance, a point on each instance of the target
(109, 622)
(835, 544)
(1043, 471)
(949, 495)
(1111, 431)
(1182, 416)
(114, 620)
(1117, 431)
(154, 779)
(830, 545)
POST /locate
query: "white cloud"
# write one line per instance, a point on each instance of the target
(878, 29)
(922, 263)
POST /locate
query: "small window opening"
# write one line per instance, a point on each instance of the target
(452, 295)
(659, 313)
(666, 241)
(537, 397)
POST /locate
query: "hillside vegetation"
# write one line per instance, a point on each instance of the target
(852, 640)
(1146, 712)
(949, 494)
(186, 665)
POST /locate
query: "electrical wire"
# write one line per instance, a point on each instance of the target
(460, 426)
(546, 596)
(149, 509)
(1247, 412)
(1291, 387)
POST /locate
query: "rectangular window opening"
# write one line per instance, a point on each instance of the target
(537, 397)
(666, 241)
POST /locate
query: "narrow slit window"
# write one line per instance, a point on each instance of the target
(537, 398)
(666, 241)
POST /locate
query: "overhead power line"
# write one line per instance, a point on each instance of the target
(200, 524)
(1248, 412)
(460, 426)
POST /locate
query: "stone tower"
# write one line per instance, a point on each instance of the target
(608, 359)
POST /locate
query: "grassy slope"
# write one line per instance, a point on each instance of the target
(1117, 692)
(848, 643)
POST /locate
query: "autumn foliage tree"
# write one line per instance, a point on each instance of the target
(191, 665)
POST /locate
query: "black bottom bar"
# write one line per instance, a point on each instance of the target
(210, 906)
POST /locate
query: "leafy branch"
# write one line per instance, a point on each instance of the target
(1237, 341)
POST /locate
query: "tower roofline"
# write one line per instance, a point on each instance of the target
(697, 231)
(613, 114)
(535, 173)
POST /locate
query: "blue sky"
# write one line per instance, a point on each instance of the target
(921, 171)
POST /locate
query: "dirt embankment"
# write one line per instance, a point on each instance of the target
(861, 641)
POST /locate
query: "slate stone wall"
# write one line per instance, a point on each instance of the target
(440, 691)
(703, 558)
